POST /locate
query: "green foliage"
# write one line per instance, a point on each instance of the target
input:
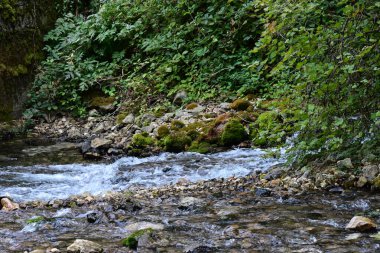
(148, 50)
(233, 133)
(177, 142)
(325, 54)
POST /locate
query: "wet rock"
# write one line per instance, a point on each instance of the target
(200, 249)
(361, 224)
(189, 202)
(263, 192)
(94, 217)
(86, 147)
(370, 172)
(100, 143)
(229, 212)
(345, 164)
(7, 205)
(84, 246)
(144, 225)
(353, 237)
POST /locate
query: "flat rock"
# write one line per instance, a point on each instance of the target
(361, 224)
(144, 225)
(84, 246)
(100, 143)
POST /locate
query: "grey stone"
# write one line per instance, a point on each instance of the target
(129, 119)
(100, 143)
(84, 246)
(370, 172)
(345, 164)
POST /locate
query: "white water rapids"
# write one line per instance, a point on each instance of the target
(45, 182)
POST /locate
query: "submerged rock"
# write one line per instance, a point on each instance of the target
(84, 246)
(362, 224)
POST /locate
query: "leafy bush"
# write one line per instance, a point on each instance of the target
(148, 49)
(325, 55)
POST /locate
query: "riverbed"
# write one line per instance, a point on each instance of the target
(203, 203)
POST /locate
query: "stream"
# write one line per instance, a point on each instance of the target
(207, 216)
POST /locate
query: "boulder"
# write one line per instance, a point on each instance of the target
(129, 119)
(361, 224)
(370, 172)
(345, 164)
(8, 205)
(100, 143)
(84, 246)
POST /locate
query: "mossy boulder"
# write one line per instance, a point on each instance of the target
(200, 147)
(191, 106)
(233, 133)
(132, 240)
(163, 131)
(177, 142)
(120, 117)
(240, 105)
(142, 140)
(177, 124)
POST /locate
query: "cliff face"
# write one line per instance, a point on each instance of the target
(22, 26)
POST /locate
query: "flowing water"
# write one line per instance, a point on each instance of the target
(220, 220)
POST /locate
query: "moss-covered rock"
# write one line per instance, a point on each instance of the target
(132, 240)
(233, 133)
(141, 140)
(240, 104)
(191, 106)
(177, 124)
(120, 117)
(163, 131)
(200, 147)
(177, 142)
(103, 103)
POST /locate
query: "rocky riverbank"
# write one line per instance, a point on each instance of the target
(221, 215)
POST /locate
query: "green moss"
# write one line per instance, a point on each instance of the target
(233, 133)
(35, 220)
(132, 240)
(162, 131)
(177, 142)
(376, 183)
(102, 101)
(142, 140)
(200, 147)
(177, 124)
(191, 106)
(120, 117)
(240, 105)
